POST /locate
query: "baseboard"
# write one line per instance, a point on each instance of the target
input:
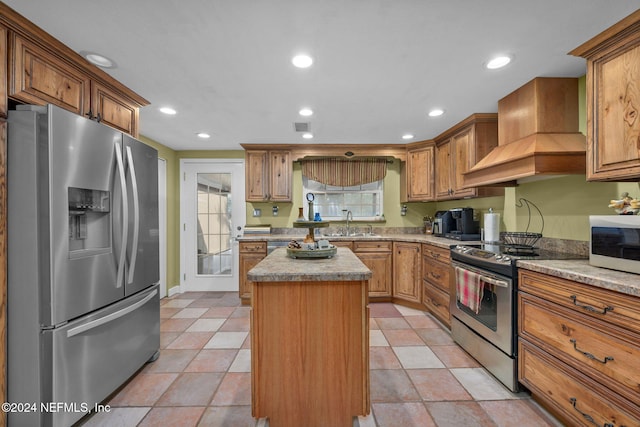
(173, 291)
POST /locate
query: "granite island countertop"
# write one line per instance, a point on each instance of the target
(581, 271)
(278, 267)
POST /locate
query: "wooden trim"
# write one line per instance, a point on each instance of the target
(608, 37)
(3, 267)
(397, 151)
(472, 119)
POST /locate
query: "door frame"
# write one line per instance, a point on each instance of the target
(162, 224)
(238, 193)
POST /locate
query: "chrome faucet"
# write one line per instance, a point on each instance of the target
(349, 218)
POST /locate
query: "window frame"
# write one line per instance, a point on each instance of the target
(320, 192)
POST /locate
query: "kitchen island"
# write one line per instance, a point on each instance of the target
(310, 339)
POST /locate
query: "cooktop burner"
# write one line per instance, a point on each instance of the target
(503, 258)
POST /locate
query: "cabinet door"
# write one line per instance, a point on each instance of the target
(614, 125)
(443, 171)
(114, 111)
(280, 176)
(462, 159)
(380, 265)
(247, 262)
(421, 174)
(37, 77)
(256, 176)
(407, 271)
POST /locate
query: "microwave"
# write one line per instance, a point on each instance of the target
(615, 242)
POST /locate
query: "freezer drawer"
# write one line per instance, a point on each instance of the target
(93, 356)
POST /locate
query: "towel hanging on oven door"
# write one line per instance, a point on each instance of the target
(469, 288)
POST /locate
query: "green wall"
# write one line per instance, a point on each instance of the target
(565, 201)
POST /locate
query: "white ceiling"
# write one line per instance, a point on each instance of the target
(380, 65)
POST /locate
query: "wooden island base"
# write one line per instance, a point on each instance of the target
(310, 351)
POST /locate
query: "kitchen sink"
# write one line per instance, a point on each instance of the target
(351, 235)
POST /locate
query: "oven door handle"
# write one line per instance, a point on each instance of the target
(491, 281)
(488, 279)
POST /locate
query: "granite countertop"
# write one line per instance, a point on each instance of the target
(581, 271)
(416, 238)
(278, 267)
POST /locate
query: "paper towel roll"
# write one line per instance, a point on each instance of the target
(491, 227)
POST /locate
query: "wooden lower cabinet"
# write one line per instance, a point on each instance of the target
(251, 253)
(376, 255)
(579, 348)
(569, 394)
(435, 278)
(310, 352)
(407, 279)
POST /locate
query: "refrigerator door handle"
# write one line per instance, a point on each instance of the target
(136, 217)
(125, 213)
(110, 317)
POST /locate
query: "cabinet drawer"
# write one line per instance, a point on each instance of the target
(253, 247)
(343, 244)
(371, 246)
(571, 394)
(592, 347)
(437, 302)
(597, 303)
(436, 272)
(436, 253)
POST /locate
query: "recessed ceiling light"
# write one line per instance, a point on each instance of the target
(307, 135)
(305, 112)
(407, 136)
(302, 61)
(203, 135)
(168, 110)
(498, 62)
(436, 112)
(99, 60)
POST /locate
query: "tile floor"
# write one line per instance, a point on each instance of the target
(419, 376)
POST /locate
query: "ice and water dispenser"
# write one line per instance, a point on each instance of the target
(89, 221)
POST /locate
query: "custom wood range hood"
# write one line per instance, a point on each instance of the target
(537, 135)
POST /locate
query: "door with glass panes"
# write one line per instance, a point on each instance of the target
(212, 212)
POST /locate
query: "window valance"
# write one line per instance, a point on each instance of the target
(345, 172)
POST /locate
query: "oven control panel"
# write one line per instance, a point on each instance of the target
(482, 254)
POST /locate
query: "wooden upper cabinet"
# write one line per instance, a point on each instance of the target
(418, 177)
(280, 166)
(256, 179)
(268, 175)
(3, 72)
(444, 171)
(458, 150)
(38, 77)
(113, 110)
(42, 70)
(613, 101)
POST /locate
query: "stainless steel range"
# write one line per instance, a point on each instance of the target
(483, 308)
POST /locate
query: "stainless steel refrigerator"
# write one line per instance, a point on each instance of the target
(83, 309)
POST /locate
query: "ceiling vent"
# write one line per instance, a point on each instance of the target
(302, 126)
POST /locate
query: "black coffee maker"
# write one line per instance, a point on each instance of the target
(443, 223)
(465, 228)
